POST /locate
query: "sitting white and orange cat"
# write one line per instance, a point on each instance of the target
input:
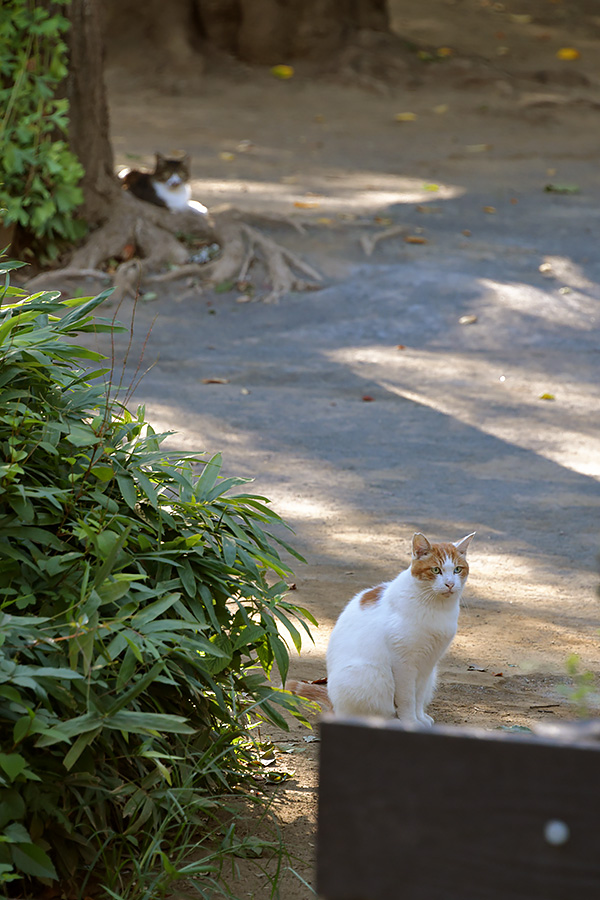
(385, 647)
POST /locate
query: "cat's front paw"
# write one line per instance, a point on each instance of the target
(425, 719)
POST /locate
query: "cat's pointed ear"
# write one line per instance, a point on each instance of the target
(420, 545)
(462, 545)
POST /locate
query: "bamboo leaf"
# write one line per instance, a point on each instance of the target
(293, 631)
(127, 488)
(32, 860)
(280, 652)
(188, 579)
(13, 764)
(148, 723)
(106, 567)
(68, 729)
(140, 685)
(207, 479)
(83, 741)
(154, 610)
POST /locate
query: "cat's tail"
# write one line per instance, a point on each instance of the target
(311, 690)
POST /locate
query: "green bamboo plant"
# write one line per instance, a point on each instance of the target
(142, 608)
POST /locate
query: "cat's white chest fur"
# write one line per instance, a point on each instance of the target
(384, 649)
(176, 194)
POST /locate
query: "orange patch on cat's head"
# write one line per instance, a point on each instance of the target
(427, 556)
(372, 596)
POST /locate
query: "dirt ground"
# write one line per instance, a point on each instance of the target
(372, 408)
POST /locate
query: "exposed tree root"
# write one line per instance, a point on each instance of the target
(276, 220)
(142, 239)
(244, 245)
(148, 230)
(369, 241)
(126, 279)
(45, 279)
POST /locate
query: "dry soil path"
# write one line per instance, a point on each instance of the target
(372, 408)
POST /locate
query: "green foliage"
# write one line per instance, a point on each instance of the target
(38, 173)
(582, 692)
(138, 615)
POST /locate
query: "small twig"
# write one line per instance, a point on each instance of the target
(276, 220)
(275, 249)
(57, 274)
(545, 706)
(369, 242)
(127, 280)
(247, 262)
(50, 640)
(179, 272)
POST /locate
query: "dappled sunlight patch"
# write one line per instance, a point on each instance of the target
(573, 448)
(480, 392)
(567, 307)
(564, 268)
(531, 580)
(306, 507)
(337, 191)
(481, 650)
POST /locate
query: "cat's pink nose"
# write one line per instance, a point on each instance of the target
(449, 585)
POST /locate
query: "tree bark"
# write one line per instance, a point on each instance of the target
(88, 129)
(304, 29)
(121, 225)
(170, 37)
(258, 32)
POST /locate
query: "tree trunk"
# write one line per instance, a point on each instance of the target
(260, 32)
(88, 129)
(166, 35)
(122, 226)
(304, 29)
(167, 38)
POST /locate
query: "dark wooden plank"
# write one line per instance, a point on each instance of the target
(446, 815)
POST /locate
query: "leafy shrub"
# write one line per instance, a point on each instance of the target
(137, 621)
(39, 175)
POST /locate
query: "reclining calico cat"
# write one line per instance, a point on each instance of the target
(168, 186)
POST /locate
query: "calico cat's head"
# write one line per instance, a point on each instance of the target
(441, 569)
(172, 170)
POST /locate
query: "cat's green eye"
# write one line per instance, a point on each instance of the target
(458, 570)
(436, 570)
